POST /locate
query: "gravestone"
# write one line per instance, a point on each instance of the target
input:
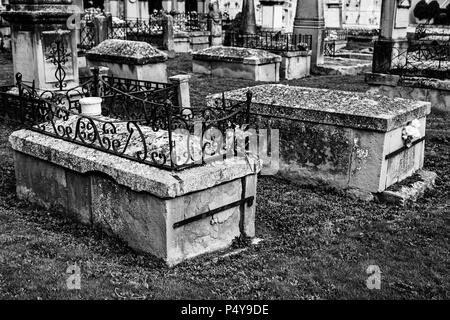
(309, 19)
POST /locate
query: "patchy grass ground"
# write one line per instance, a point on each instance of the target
(317, 243)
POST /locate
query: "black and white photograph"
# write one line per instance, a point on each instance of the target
(229, 158)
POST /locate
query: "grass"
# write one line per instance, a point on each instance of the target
(317, 242)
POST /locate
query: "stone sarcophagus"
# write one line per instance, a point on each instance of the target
(174, 215)
(130, 59)
(343, 139)
(242, 63)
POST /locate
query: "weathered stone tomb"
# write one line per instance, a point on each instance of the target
(129, 59)
(242, 63)
(347, 140)
(173, 215)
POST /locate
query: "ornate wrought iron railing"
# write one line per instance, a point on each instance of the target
(432, 32)
(87, 33)
(430, 59)
(270, 41)
(329, 48)
(157, 134)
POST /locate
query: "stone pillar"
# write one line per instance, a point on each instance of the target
(333, 14)
(248, 16)
(167, 5)
(392, 45)
(168, 34)
(102, 25)
(215, 25)
(182, 82)
(202, 6)
(310, 20)
(114, 8)
(132, 9)
(272, 14)
(37, 29)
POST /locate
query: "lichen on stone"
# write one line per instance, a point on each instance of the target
(135, 52)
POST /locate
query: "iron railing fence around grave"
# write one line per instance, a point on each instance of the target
(432, 32)
(422, 58)
(87, 32)
(336, 34)
(190, 21)
(131, 126)
(329, 48)
(270, 41)
(150, 31)
(110, 87)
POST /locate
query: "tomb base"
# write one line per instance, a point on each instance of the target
(172, 215)
(295, 65)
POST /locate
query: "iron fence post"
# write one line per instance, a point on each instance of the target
(96, 82)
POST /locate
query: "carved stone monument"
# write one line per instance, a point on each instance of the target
(44, 48)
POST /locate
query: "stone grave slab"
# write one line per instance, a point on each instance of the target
(130, 59)
(242, 63)
(174, 215)
(343, 139)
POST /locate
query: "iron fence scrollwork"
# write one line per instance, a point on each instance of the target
(134, 125)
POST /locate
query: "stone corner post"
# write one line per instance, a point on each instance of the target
(182, 83)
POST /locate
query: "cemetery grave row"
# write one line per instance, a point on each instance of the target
(179, 181)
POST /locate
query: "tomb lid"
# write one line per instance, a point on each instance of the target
(139, 177)
(125, 51)
(366, 111)
(234, 54)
